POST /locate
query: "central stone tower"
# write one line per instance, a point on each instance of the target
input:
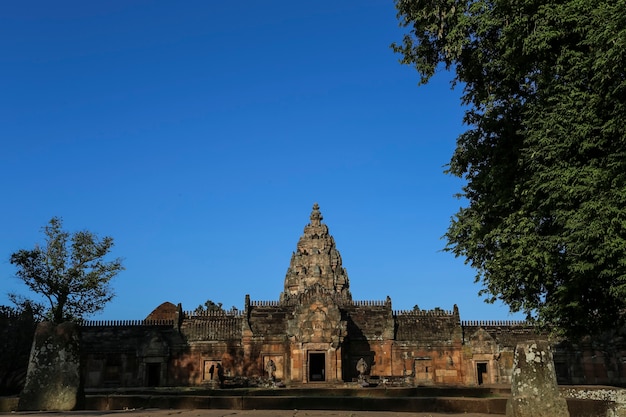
(316, 263)
(316, 288)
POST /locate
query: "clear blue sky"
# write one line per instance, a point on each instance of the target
(198, 134)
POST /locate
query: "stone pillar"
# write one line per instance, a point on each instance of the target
(53, 380)
(339, 364)
(534, 391)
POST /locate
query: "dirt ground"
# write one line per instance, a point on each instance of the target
(234, 413)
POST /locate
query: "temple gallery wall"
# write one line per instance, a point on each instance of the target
(315, 333)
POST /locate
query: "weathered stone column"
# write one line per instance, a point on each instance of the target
(534, 391)
(53, 380)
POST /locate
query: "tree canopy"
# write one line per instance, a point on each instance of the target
(208, 307)
(69, 272)
(544, 155)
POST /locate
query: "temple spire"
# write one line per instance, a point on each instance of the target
(316, 215)
(316, 262)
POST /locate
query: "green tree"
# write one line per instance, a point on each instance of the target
(544, 155)
(208, 306)
(69, 273)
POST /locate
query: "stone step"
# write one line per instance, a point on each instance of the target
(451, 405)
(312, 402)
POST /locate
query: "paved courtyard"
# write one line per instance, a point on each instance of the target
(235, 413)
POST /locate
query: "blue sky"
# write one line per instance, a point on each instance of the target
(199, 134)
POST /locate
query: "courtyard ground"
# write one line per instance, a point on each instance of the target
(235, 413)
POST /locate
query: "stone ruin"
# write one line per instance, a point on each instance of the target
(534, 391)
(53, 381)
(315, 333)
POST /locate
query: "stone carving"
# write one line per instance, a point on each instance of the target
(317, 319)
(270, 368)
(53, 378)
(534, 391)
(361, 368)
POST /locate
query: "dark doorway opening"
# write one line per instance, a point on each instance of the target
(153, 374)
(481, 372)
(562, 373)
(317, 366)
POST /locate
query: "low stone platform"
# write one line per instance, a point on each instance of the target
(246, 413)
(428, 400)
(402, 404)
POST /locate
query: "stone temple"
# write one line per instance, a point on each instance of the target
(315, 333)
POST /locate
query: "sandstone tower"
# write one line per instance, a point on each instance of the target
(316, 261)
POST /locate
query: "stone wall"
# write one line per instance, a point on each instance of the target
(269, 320)
(491, 344)
(424, 348)
(600, 360)
(214, 328)
(127, 355)
(369, 322)
(431, 326)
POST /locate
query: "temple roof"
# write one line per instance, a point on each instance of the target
(316, 261)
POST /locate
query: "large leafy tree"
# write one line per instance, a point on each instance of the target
(544, 155)
(69, 272)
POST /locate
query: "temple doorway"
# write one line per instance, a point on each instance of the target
(481, 372)
(153, 374)
(317, 366)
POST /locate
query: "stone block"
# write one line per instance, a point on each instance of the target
(534, 391)
(53, 381)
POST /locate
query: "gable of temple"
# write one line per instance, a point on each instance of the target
(315, 333)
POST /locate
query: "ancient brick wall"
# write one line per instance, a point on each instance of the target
(599, 360)
(425, 351)
(191, 366)
(507, 333)
(116, 353)
(369, 320)
(429, 364)
(217, 326)
(427, 327)
(265, 337)
(428, 347)
(488, 348)
(269, 320)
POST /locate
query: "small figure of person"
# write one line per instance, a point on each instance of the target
(211, 371)
(270, 368)
(361, 367)
(220, 374)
